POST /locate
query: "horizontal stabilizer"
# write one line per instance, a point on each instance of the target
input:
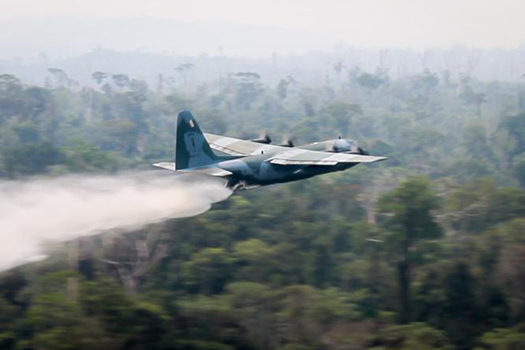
(204, 171)
(165, 165)
(207, 171)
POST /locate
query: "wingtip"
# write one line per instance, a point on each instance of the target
(379, 159)
(373, 159)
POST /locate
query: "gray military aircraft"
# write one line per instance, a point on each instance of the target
(247, 164)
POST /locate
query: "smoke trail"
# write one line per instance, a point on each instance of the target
(59, 209)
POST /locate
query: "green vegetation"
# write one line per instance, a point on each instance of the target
(423, 251)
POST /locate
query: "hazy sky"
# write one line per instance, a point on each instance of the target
(366, 23)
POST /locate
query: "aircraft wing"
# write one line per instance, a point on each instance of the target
(298, 156)
(238, 147)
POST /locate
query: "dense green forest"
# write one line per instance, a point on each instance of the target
(422, 251)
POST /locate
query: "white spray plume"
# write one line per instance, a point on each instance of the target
(37, 211)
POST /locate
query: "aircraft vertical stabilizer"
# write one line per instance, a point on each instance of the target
(191, 148)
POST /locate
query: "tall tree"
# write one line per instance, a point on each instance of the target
(408, 212)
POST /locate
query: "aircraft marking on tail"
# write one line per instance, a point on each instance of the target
(193, 143)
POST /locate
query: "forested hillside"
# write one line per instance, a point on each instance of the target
(422, 251)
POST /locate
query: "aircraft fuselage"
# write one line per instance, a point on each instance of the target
(257, 170)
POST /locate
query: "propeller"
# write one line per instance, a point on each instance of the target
(362, 151)
(330, 146)
(287, 141)
(263, 138)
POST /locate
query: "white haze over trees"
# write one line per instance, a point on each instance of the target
(372, 23)
(304, 39)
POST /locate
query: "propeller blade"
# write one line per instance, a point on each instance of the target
(263, 138)
(287, 141)
(330, 147)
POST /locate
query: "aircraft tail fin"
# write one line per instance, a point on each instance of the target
(191, 148)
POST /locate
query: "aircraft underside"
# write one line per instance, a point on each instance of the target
(242, 181)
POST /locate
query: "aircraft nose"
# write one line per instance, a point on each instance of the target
(342, 146)
(352, 147)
